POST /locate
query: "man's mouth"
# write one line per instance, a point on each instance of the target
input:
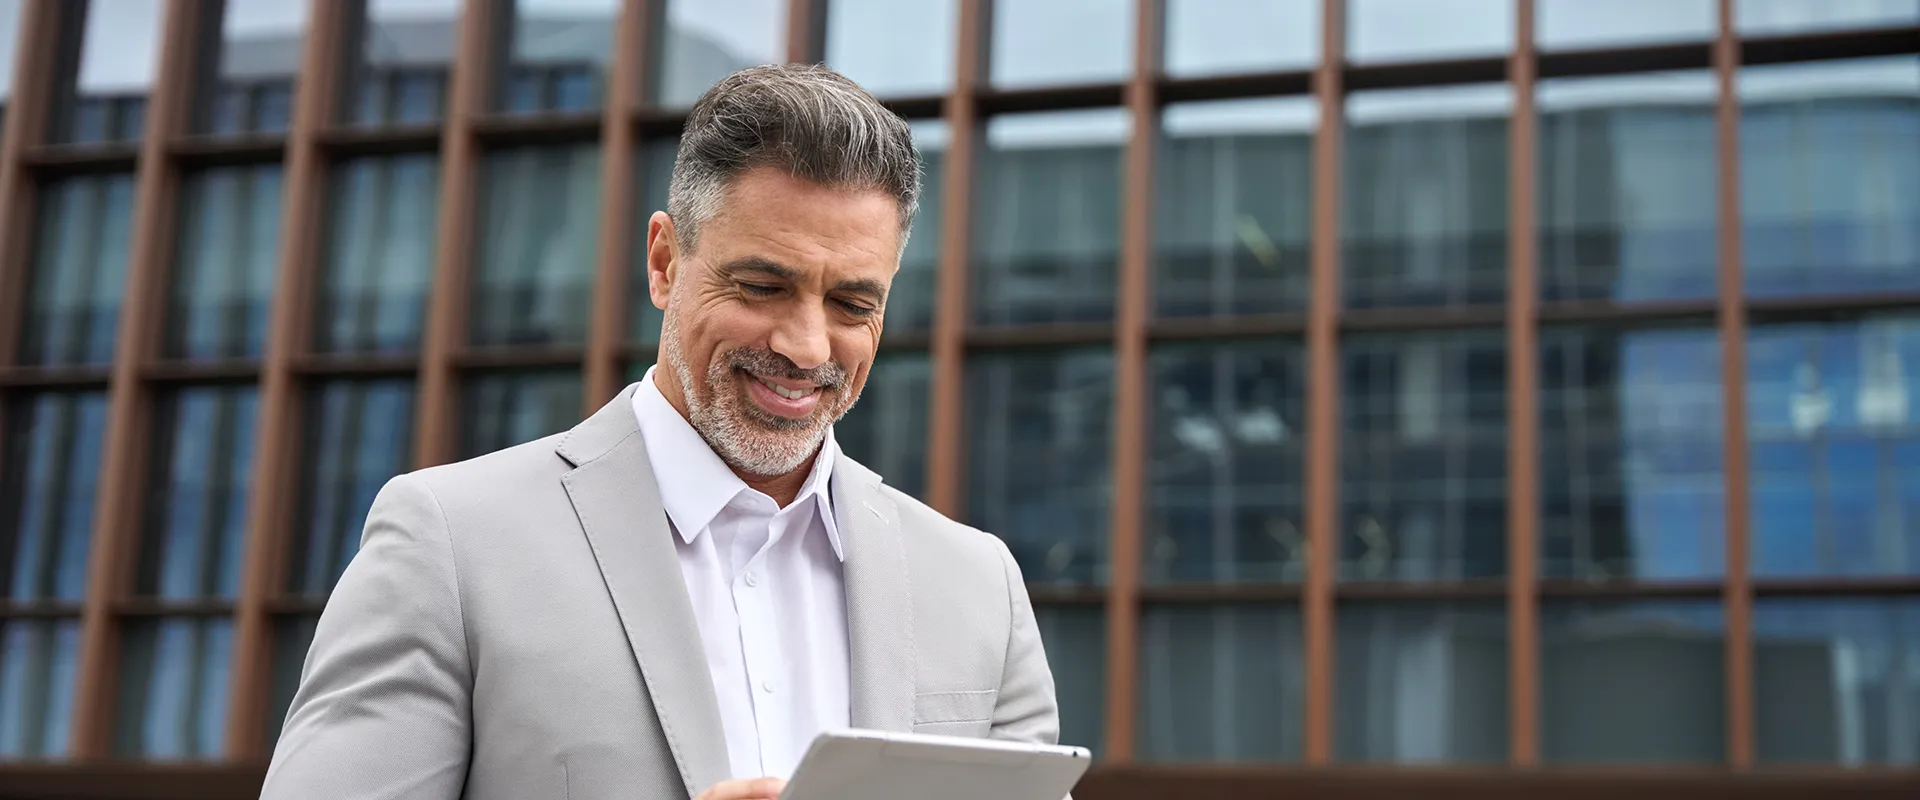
(787, 399)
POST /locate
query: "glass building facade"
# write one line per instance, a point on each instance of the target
(1464, 384)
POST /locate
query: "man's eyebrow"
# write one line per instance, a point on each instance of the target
(760, 265)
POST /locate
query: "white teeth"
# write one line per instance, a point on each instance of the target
(790, 394)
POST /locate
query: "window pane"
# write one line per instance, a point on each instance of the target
(1225, 469)
(173, 688)
(9, 31)
(655, 165)
(1058, 42)
(502, 409)
(1038, 431)
(1830, 177)
(223, 278)
(887, 429)
(259, 57)
(38, 662)
(1628, 204)
(1429, 30)
(537, 249)
(1630, 446)
(894, 49)
(1047, 218)
(1221, 683)
(1426, 197)
(637, 368)
(291, 638)
(1213, 37)
(1837, 681)
(197, 499)
(406, 54)
(1639, 682)
(1424, 456)
(358, 435)
(1778, 17)
(702, 41)
(52, 469)
(1075, 638)
(79, 266)
(1835, 448)
(1584, 24)
(119, 50)
(1235, 187)
(381, 218)
(1421, 683)
(559, 54)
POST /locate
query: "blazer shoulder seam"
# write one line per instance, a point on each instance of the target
(453, 568)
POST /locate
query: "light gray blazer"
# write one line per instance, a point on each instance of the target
(516, 626)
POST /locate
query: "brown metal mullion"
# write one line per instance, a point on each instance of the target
(618, 190)
(34, 62)
(946, 397)
(1523, 423)
(1736, 592)
(123, 464)
(802, 43)
(1323, 418)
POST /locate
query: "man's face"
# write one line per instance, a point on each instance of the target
(772, 323)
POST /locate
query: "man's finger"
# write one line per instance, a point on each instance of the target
(745, 789)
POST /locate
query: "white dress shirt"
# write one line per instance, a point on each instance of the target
(767, 591)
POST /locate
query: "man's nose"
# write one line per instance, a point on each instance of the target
(802, 338)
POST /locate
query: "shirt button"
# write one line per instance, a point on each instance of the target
(752, 580)
(767, 686)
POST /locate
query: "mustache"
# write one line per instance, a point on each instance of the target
(764, 362)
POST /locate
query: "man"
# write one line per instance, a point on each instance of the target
(673, 598)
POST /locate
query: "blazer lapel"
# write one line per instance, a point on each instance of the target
(613, 492)
(879, 600)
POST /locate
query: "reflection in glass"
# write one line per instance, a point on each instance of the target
(1075, 638)
(406, 55)
(379, 255)
(49, 471)
(1421, 683)
(1424, 456)
(558, 55)
(259, 57)
(1426, 197)
(535, 270)
(173, 688)
(1835, 446)
(655, 165)
(893, 49)
(81, 240)
(38, 662)
(1221, 683)
(1640, 682)
(1057, 42)
(1782, 17)
(1628, 204)
(1225, 466)
(887, 428)
(1429, 30)
(291, 638)
(1235, 208)
(1584, 24)
(1046, 236)
(910, 300)
(358, 435)
(223, 278)
(1630, 446)
(1830, 177)
(9, 32)
(119, 49)
(702, 41)
(502, 409)
(1837, 681)
(202, 469)
(1037, 436)
(1216, 37)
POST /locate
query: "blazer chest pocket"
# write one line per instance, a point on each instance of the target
(954, 713)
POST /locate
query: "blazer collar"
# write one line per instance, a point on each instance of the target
(880, 629)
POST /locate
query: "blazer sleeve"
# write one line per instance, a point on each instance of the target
(1026, 710)
(384, 705)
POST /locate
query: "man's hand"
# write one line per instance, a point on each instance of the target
(746, 789)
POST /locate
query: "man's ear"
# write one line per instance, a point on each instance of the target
(663, 258)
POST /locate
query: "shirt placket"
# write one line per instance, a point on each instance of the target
(760, 645)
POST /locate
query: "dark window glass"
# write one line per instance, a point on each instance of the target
(655, 165)
(1221, 683)
(1782, 17)
(1058, 42)
(702, 41)
(223, 278)
(379, 255)
(1421, 683)
(1047, 218)
(1075, 638)
(197, 499)
(406, 53)
(258, 60)
(1628, 204)
(502, 409)
(173, 688)
(910, 300)
(1235, 208)
(358, 435)
(537, 247)
(1424, 456)
(119, 51)
(559, 52)
(1837, 681)
(1830, 177)
(1640, 682)
(51, 470)
(1214, 37)
(887, 429)
(1038, 457)
(79, 266)
(291, 638)
(1630, 455)
(891, 48)
(38, 662)
(637, 368)
(1429, 30)
(1426, 197)
(1834, 445)
(1225, 468)
(1585, 25)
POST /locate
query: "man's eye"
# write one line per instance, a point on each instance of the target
(855, 309)
(759, 289)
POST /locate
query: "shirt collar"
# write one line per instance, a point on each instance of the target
(695, 484)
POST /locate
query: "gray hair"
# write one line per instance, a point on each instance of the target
(808, 120)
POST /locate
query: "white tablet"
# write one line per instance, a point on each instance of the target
(874, 765)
